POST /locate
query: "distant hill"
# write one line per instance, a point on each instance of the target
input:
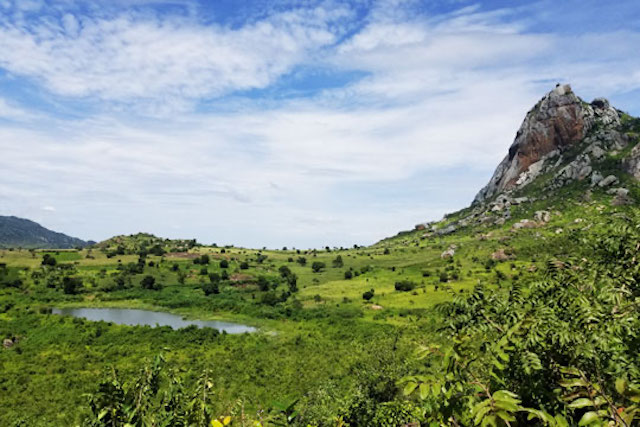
(144, 243)
(22, 233)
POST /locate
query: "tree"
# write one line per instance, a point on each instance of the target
(149, 282)
(405, 285)
(48, 260)
(302, 261)
(338, 263)
(292, 282)
(317, 266)
(244, 265)
(368, 295)
(224, 264)
(71, 285)
(284, 271)
(263, 284)
(348, 275)
(211, 288)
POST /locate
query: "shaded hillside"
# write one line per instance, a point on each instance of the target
(22, 233)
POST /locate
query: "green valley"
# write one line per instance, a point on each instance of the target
(521, 309)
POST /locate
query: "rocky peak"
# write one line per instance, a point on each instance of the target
(556, 123)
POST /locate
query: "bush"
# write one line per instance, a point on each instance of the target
(224, 264)
(338, 263)
(284, 271)
(317, 266)
(405, 286)
(71, 285)
(348, 275)
(49, 260)
(211, 288)
(244, 265)
(149, 282)
(444, 278)
(368, 295)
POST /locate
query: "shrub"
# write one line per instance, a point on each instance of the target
(71, 285)
(317, 266)
(284, 271)
(405, 285)
(149, 282)
(348, 275)
(224, 264)
(338, 263)
(211, 288)
(244, 265)
(48, 260)
(368, 295)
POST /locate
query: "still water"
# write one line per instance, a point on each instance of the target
(133, 317)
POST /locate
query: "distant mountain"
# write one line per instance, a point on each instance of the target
(22, 233)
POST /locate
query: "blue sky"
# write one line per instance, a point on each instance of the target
(282, 123)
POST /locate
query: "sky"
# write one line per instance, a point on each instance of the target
(305, 123)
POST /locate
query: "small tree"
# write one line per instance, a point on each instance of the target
(405, 286)
(48, 260)
(317, 266)
(338, 263)
(284, 271)
(71, 285)
(149, 282)
(224, 264)
(368, 295)
(292, 282)
(211, 288)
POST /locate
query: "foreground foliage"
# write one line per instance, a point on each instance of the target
(562, 350)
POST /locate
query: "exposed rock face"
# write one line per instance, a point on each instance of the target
(559, 120)
(632, 163)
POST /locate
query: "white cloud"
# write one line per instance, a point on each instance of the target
(142, 56)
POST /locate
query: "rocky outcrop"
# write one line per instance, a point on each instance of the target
(557, 122)
(632, 162)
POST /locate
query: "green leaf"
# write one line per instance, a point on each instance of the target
(621, 385)
(480, 413)
(409, 388)
(583, 402)
(589, 418)
(424, 390)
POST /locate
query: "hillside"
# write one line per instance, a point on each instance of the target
(22, 233)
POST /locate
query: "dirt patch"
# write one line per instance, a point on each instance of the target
(183, 255)
(238, 277)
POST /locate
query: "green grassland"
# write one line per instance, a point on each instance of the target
(320, 344)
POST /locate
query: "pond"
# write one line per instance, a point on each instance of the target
(134, 317)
